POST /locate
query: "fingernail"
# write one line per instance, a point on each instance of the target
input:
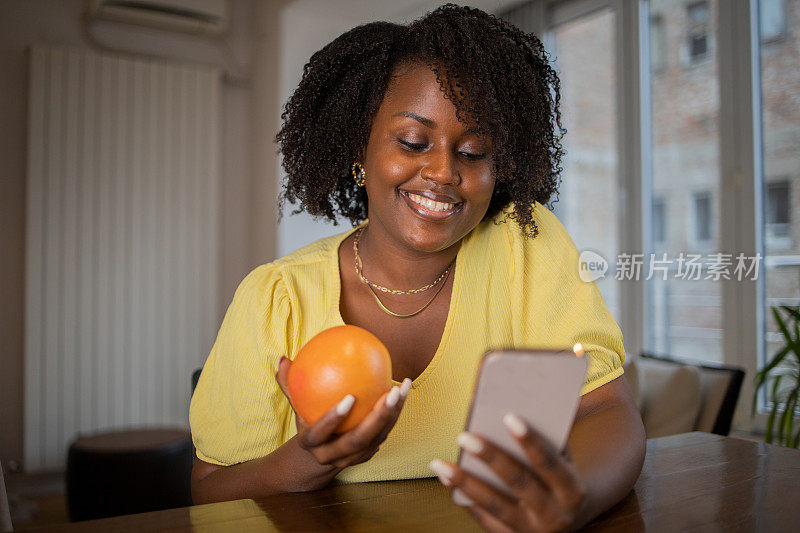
(515, 425)
(459, 498)
(470, 442)
(405, 387)
(443, 471)
(346, 404)
(392, 397)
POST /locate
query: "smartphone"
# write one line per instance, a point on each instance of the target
(540, 386)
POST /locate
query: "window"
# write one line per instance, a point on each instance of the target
(583, 49)
(772, 19)
(659, 223)
(777, 209)
(683, 314)
(687, 159)
(697, 35)
(658, 45)
(698, 46)
(698, 13)
(780, 129)
(702, 217)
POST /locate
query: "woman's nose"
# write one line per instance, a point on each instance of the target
(441, 167)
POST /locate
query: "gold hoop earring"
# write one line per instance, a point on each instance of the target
(359, 174)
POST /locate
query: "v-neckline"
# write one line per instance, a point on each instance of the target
(451, 310)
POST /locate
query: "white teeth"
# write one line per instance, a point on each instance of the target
(430, 204)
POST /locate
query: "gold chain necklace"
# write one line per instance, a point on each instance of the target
(370, 284)
(381, 287)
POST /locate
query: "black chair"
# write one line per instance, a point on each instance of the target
(720, 387)
(196, 378)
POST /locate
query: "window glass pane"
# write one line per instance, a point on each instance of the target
(698, 13)
(780, 115)
(684, 316)
(772, 19)
(657, 44)
(778, 202)
(697, 28)
(698, 45)
(588, 202)
(702, 217)
(659, 223)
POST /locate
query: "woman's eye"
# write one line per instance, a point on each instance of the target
(414, 147)
(471, 156)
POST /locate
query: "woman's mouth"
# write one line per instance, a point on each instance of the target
(429, 208)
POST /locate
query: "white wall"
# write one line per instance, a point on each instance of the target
(24, 22)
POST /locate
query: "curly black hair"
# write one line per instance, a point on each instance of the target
(498, 77)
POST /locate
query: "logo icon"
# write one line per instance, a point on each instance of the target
(591, 266)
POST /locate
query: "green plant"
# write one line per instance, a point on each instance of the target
(784, 401)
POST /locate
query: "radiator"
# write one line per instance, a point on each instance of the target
(122, 243)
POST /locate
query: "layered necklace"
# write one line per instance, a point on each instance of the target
(374, 286)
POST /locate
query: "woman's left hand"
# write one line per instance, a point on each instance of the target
(548, 497)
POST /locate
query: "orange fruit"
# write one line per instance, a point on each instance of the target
(336, 362)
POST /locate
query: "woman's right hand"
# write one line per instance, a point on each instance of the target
(354, 446)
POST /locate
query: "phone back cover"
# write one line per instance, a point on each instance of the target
(542, 388)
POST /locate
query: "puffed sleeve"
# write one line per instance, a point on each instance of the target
(562, 309)
(238, 411)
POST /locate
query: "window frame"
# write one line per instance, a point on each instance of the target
(741, 184)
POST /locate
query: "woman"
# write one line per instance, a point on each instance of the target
(440, 140)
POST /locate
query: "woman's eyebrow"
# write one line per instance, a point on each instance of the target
(425, 121)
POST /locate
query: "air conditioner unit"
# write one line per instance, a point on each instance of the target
(208, 17)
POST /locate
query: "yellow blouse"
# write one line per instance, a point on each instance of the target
(508, 291)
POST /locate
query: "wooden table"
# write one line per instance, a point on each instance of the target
(693, 481)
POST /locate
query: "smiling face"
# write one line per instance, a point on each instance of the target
(429, 176)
